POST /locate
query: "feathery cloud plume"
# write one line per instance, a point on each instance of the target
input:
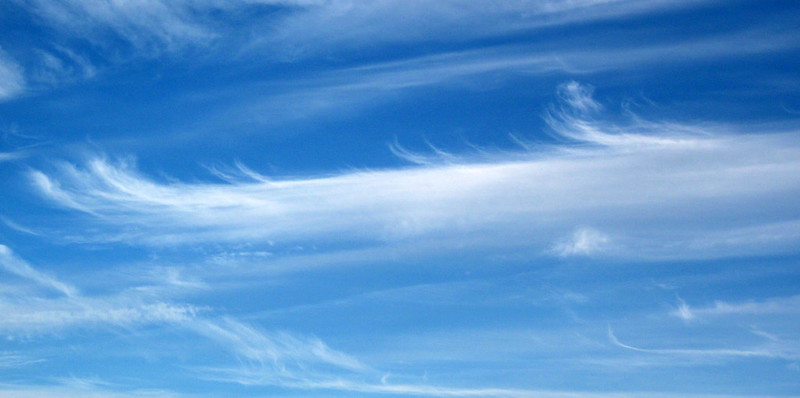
(607, 175)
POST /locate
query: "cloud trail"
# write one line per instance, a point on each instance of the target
(341, 25)
(294, 29)
(609, 175)
(307, 26)
(789, 353)
(17, 266)
(585, 241)
(281, 357)
(33, 315)
(771, 306)
(9, 156)
(364, 85)
(285, 355)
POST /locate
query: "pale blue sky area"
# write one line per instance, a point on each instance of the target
(378, 198)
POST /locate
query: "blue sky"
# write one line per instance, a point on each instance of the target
(337, 198)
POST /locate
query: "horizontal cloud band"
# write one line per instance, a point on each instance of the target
(680, 187)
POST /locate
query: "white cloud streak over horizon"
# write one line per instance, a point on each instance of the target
(67, 391)
(609, 176)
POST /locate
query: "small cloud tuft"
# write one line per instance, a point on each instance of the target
(683, 311)
(583, 242)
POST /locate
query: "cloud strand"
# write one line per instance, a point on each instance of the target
(606, 175)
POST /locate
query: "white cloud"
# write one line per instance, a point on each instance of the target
(35, 391)
(279, 350)
(304, 28)
(311, 26)
(26, 313)
(12, 80)
(282, 357)
(771, 351)
(578, 97)
(59, 65)
(262, 358)
(15, 265)
(142, 23)
(40, 315)
(350, 88)
(772, 306)
(622, 179)
(584, 241)
(13, 360)
(343, 24)
(10, 156)
(683, 311)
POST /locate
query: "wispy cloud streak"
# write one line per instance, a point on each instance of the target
(32, 313)
(790, 353)
(585, 241)
(11, 360)
(280, 351)
(10, 156)
(607, 175)
(309, 25)
(772, 306)
(281, 357)
(12, 80)
(344, 89)
(15, 265)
